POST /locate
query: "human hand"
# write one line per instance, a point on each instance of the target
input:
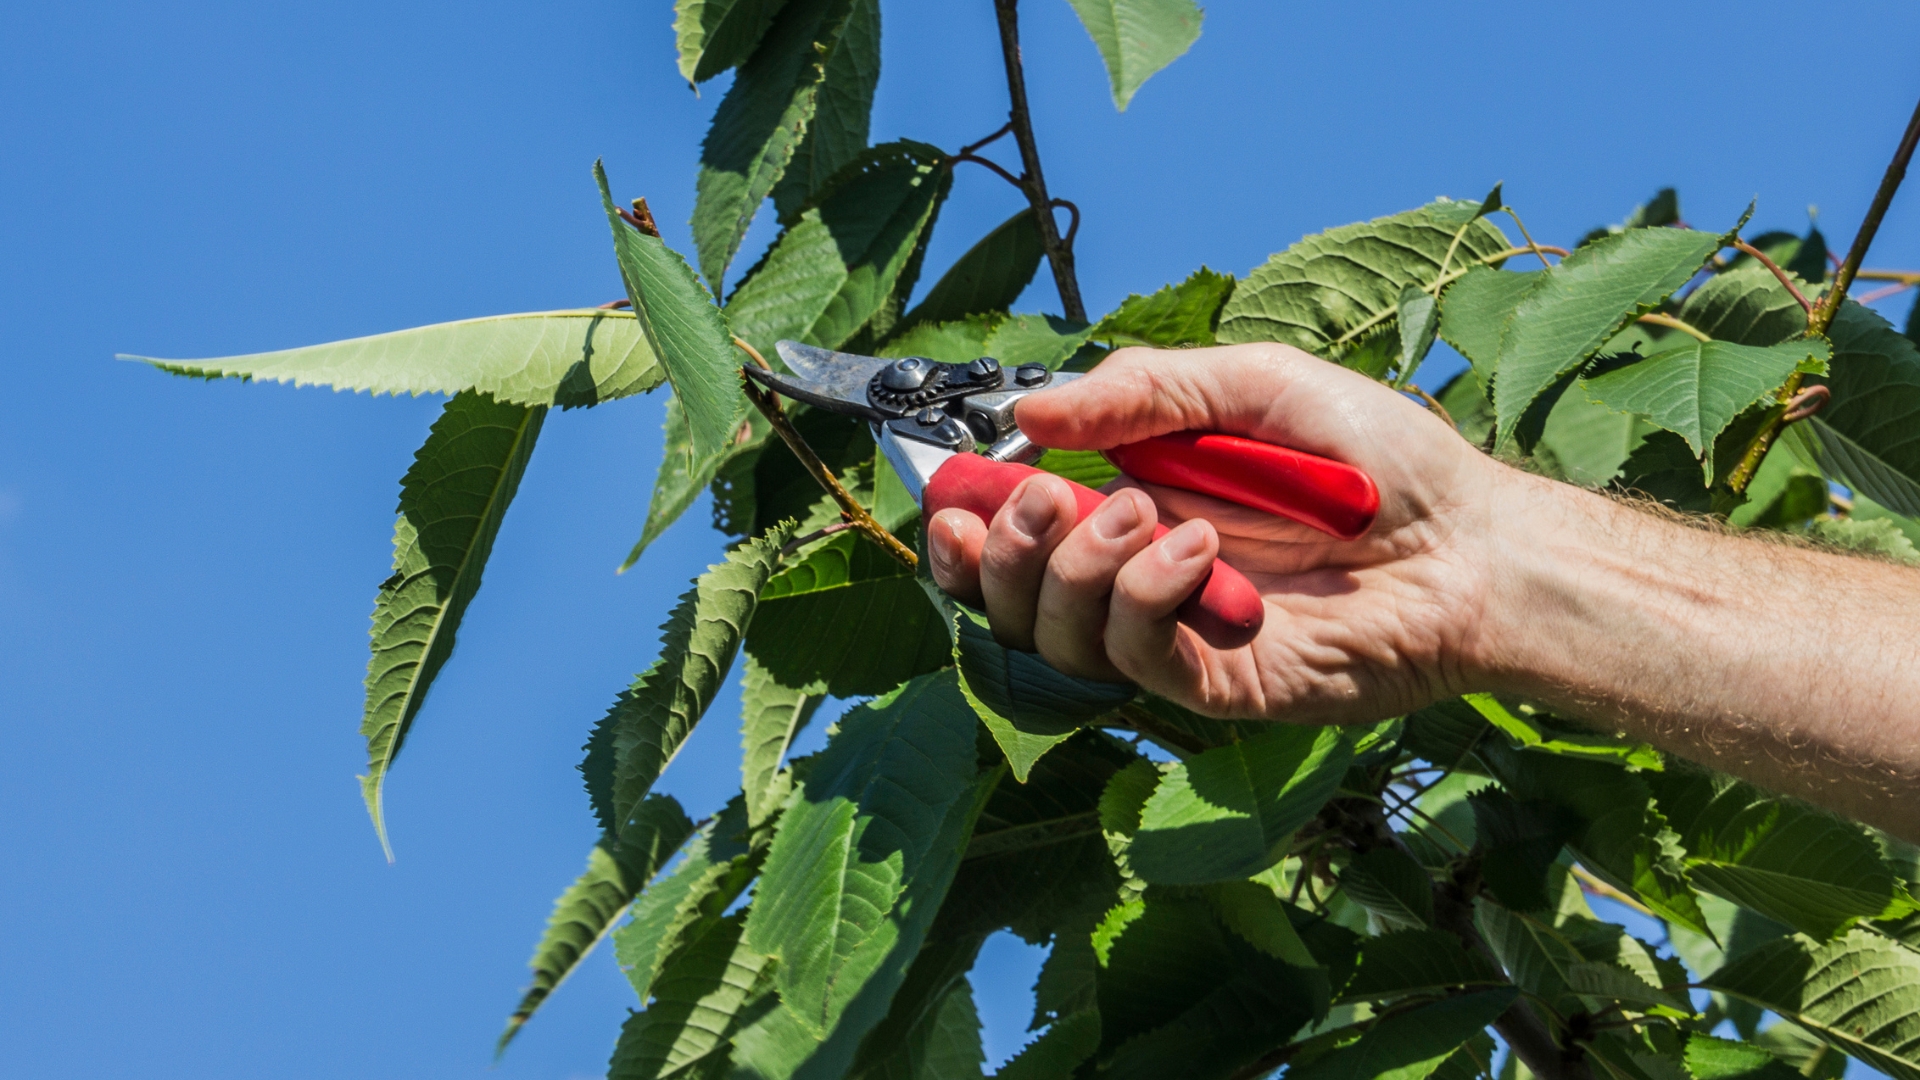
(1354, 631)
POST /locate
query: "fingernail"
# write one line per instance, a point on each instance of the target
(943, 543)
(1116, 517)
(1034, 512)
(1185, 542)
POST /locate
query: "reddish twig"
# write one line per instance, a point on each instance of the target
(1785, 278)
(1895, 289)
(615, 305)
(1805, 403)
(640, 218)
(817, 534)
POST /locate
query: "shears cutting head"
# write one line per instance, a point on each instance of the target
(922, 411)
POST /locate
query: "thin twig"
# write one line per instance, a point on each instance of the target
(974, 147)
(1432, 403)
(1059, 254)
(1882, 293)
(1785, 279)
(1910, 277)
(991, 164)
(1407, 805)
(856, 515)
(640, 218)
(615, 305)
(818, 534)
(1671, 323)
(1822, 316)
(1073, 230)
(1589, 883)
(1823, 313)
(1531, 245)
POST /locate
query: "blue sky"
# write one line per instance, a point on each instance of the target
(190, 887)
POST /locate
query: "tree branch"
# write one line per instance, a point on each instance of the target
(1059, 253)
(857, 517)
(1822, 315)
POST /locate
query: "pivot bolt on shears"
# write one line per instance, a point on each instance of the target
(948, 430)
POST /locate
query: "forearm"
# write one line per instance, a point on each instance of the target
(1792, 668)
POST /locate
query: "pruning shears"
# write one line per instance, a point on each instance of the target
(948, 430)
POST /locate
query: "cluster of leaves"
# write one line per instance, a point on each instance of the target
(1218, 899)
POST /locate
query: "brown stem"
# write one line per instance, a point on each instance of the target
(1806, 305)
(640, 218)
(1059, 254)
(975, 146)
(1432, 403)
(1822, 316)
(994, 165)
(857, 517)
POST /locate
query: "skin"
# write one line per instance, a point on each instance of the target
(1794, 668)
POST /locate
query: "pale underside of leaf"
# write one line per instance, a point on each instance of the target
(1860, 993)
(565, 358)
(1137, 38)
(1324, 291)
(714, 35)
(687, 332)
(452, 502)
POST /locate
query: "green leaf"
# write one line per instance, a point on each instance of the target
(1860, 993)
(1709, 1058)
(1695, 389)
(944, 1045)
(1419, 319)
(1658, 212)
(681, 906)
(1518, 842)
(1181, 995)
(988, 278)
(1562, 317)
(864, 853)
(849, 616)
(1027, 705)
(1036, 339)
(771, 715)
(1881, 537)
(759, 125)
(1230, 812)
(452, 501)
(1258, 915)
(1876, 404)
(1475, 310)
(652, 718)
(1609, 982)
(1390, 884)
(714, 35)
(1087, 467)
(954, 342)
(1058, 1051)
(1324, 292)
(1121, 805)
(1787, 861)
(714, 990)
(587, 910)
(1528, 732)
(682, 477)
(1411, 1045)
(1417, 962)
(565, 358)
(1137, 38)
(1746, 305)
(1584, 443)
(879, 209)
(687, 332)
(1737, 930)
(843, 108)
(788, 290)
(1173, 317)
(1038, 861)
(1853, 465)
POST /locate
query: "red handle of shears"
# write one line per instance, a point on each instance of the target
(1226, 610)
(1331, 496)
